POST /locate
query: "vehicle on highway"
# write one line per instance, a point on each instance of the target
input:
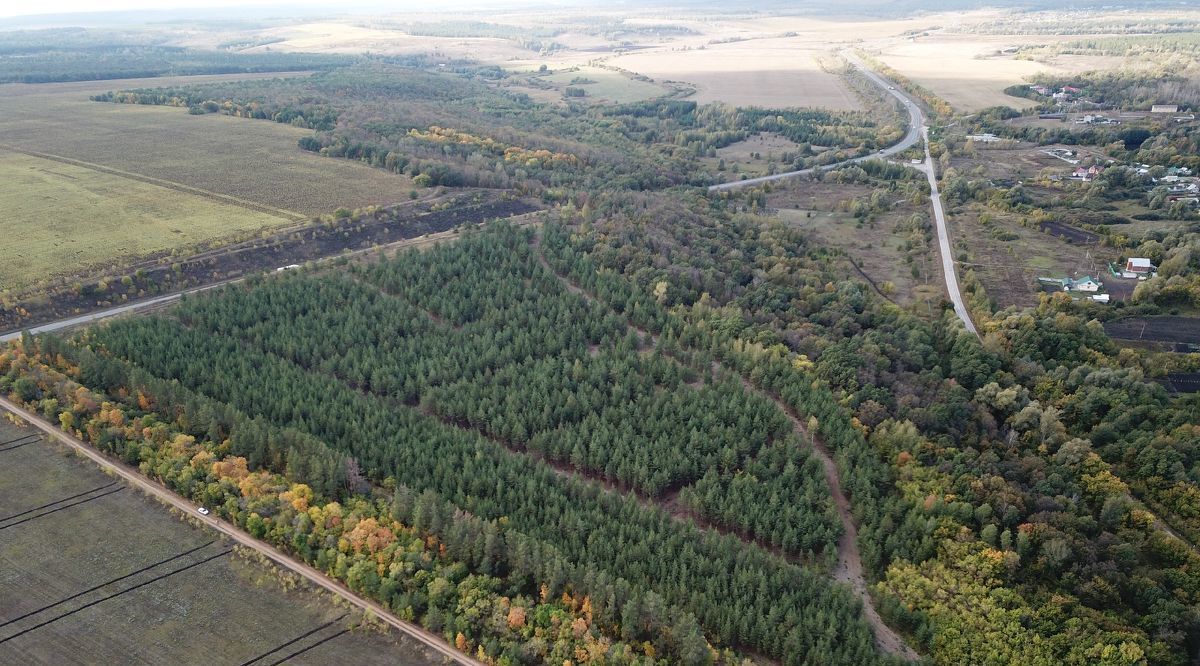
(202, 511)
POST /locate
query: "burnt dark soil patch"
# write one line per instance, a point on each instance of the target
(1180, 330)
(1069, 234)
(1182, 382)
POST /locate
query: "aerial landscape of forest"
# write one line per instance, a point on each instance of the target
(559, 333)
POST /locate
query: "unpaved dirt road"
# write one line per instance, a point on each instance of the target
(134, 478)
(849, 568)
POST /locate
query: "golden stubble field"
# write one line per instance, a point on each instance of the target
(970, 71)
(776, 72)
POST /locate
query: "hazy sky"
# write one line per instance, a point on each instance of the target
(21, 7)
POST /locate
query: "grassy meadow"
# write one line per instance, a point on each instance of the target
(87, 183)
(64, 217)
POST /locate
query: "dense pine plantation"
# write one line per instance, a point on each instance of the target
(1020, 473)
(456, 369)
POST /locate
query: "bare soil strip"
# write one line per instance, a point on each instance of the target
(301, 651)
(301, 637)
(56, 510)
(101, 600)
(107, 583)
(57, 501)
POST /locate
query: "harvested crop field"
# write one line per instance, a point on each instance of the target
(256, 161)
(770, 73)
(967, 71)
(93, 572)
(85, 184)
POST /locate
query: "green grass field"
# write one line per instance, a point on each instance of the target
(63, 217)
(608, 85)
(88, 183)
(227, 610)
(875, 247)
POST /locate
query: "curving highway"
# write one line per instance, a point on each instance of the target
(916, 132)
(915, 121)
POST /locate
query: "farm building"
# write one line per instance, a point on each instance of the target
(1138, 266)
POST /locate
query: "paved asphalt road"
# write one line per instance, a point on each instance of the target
(916, 131)
(111, 312)
(915, 120)
(133, 478)
(939, 216)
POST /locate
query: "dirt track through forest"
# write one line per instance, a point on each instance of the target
(849, 568)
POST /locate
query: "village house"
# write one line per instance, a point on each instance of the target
(987, 137)
(1086, 283)
(1138, 267)
(1086, 174)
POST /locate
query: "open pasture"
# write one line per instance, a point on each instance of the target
(606, 84)
(86, 183)
(875, 249)
(64, 216)
(93, 572)
(254, 161)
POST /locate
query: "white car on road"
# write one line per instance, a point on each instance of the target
(202, 511)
